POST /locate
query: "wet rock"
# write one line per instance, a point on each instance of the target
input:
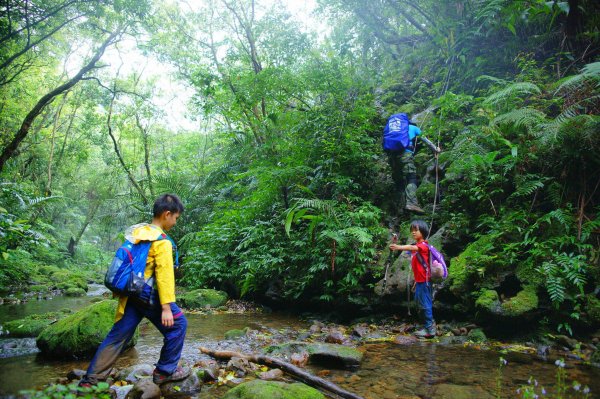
(543, 351)
(188, 386)
(399, 275)
(208, 370)
(299, 359)
(203, 299)
(239, 366)
(321, 353)
(135, 373)
(451, 391)
(360, 330)
(121, 392)
(274, 374)
(273, 390)
(316, 327)
(75, 374)
(566, 341)
(456, 340)
(477, 335)
(405, 339)
(79, 334)
(335, 337)
(144, 389)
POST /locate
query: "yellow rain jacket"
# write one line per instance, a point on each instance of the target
(159, 263)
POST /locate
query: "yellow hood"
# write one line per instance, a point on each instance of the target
(143, 232)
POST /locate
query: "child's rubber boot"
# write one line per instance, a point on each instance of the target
(425, 333)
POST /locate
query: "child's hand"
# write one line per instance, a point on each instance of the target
(167, 315)
(395, 247)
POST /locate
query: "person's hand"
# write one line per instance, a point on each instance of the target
(167, 315)
(394, 247)
(438, 150)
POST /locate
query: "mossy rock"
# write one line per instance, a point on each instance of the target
(203, 298)
(525, 301)
(477, 335)
(273, 390)
(72, 283)
(466, 266)
(489, 301)
(75, 291)
(331, 355)
(33, 325)
(80, 334)
(235, 334)
(38, 288)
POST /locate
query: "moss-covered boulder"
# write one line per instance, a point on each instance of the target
(489, 301)
(329, 355)
(32, 325)
(202, 299)
(477, 335)
(525, 301)
(273, 390)
(235, 334)
(79, 334)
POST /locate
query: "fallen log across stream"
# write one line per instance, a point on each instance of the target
(292, 370)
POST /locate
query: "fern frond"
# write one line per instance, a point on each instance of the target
(523, 117)
(590, 72)
(511, 91)
(492, 79)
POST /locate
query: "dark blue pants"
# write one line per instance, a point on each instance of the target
(123, 330)
(423, 296)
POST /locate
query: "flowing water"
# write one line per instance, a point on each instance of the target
(421, 370)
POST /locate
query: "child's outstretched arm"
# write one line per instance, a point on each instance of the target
(396, 247)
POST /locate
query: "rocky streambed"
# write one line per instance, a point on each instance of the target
(374, 359)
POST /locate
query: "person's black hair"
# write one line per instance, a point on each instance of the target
(421, 226)
(167, 202)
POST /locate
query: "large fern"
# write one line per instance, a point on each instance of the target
(529, 118)
(513, 90)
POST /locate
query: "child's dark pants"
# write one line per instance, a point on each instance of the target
(425, 302)
(123, 330)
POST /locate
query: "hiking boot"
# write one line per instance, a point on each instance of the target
(179, 374)
(425, 333)
(414, 208)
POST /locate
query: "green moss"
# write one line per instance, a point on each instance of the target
(525, 301)
(79, 334)
(488, 300)
(273, 390)
(426, 193)
(31, 326)
(592, 308)
(477, 335)
(203, 298)
(234, 334)
(74, 291)
(38, 288)
(475, 259)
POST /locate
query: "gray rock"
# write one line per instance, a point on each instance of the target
(208, 370)
(239, 366)
(360, 330)
(75, 374)
(144, 389)
(134, 373)
(121, 392)
(189, 386)
(274, 374)
(335, 337)
(320, 353)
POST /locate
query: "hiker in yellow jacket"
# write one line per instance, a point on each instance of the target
(163, 311)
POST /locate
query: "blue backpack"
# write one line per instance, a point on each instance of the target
(395, 133)
(125, 275)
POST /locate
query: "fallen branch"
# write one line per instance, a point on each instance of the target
(292, 370)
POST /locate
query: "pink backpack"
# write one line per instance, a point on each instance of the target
(436, 269)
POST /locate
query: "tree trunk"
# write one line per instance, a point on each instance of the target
(146, 154)
(292, 370)
(10, 149)
(73, 242)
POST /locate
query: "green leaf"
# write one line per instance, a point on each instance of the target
(511, 28)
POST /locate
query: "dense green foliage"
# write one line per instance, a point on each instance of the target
(288, 194)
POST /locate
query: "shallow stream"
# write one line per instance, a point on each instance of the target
(421, 370)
